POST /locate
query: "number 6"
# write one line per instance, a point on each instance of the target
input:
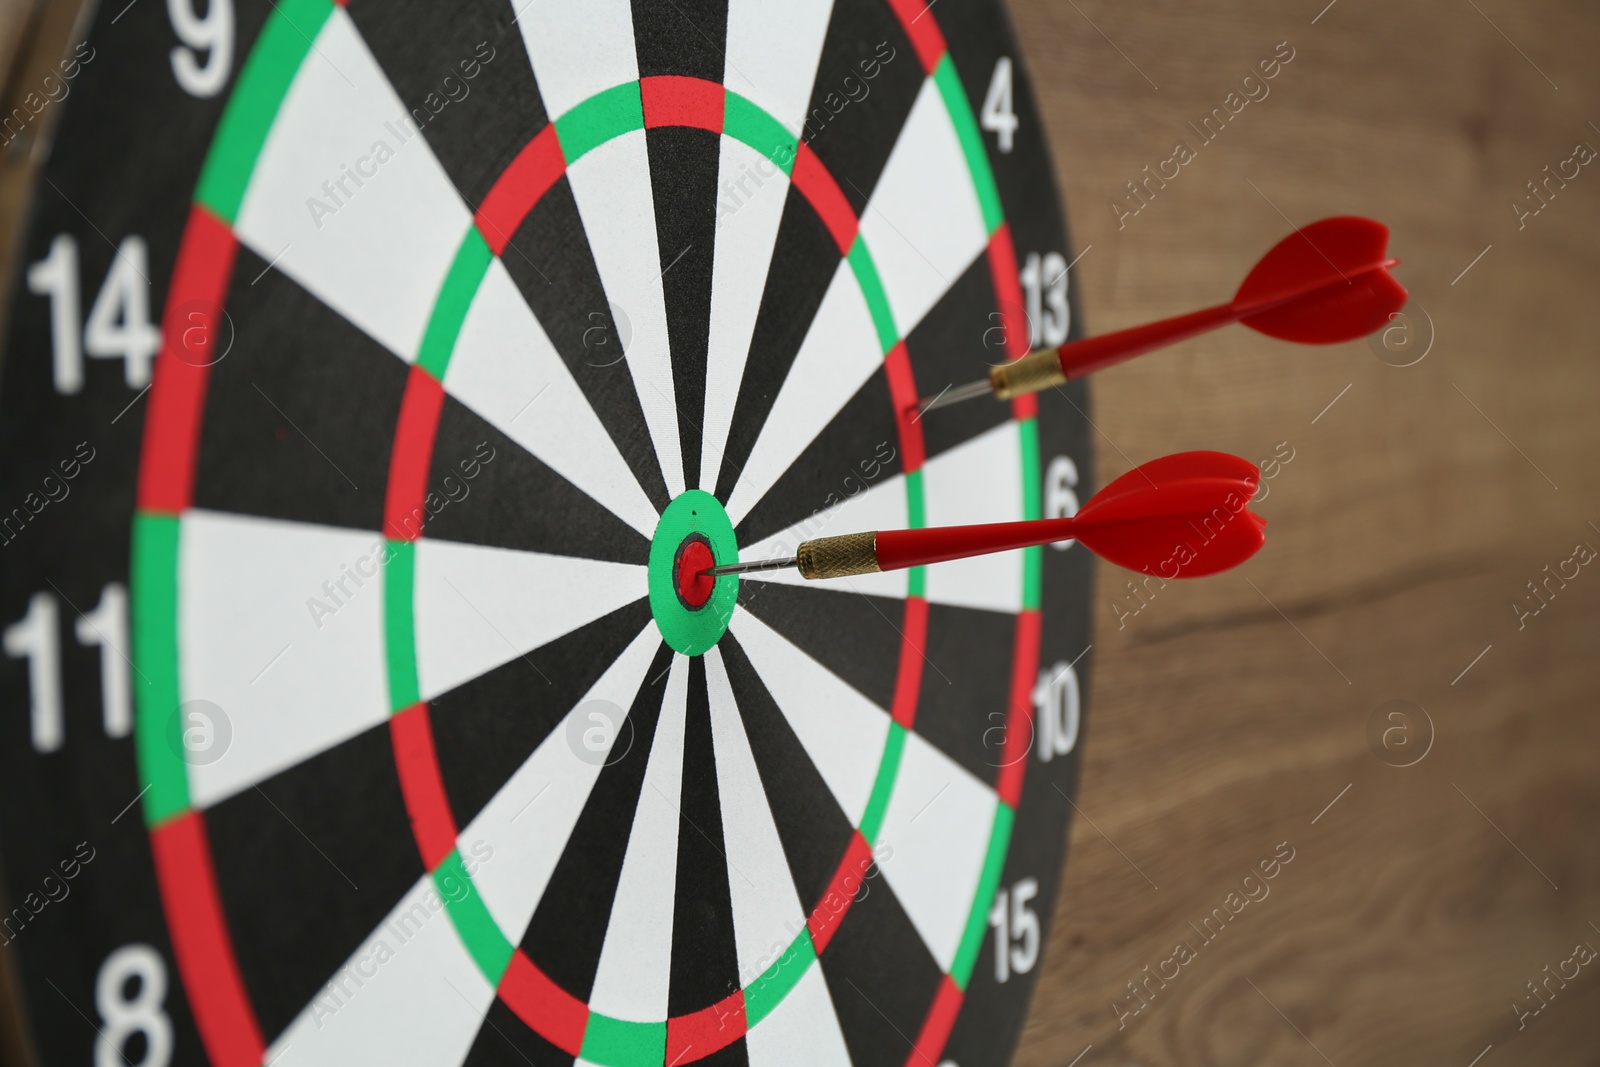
(212, 34)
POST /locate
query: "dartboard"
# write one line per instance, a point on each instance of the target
(372, 371)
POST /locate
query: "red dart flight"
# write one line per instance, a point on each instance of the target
(1182, 516)
(1324, 283)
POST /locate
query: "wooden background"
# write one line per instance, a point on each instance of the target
(1229, 713)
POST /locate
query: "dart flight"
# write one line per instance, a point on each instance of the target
(1181, 516)
(1325, 283)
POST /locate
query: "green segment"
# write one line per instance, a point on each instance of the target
(744, 121)
(872, 290)
(768, 991)
(604, 115)
(883, 786)
(455, 297)
(966, 124)
(253, 106)
(619, 1043)
(988, 882)
(692, 630)
(399, 626)
(1032, 558)
(478, 931)
(916, 518)
(155, 658)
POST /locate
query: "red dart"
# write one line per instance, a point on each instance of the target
(1325, 283)
(1181, 516)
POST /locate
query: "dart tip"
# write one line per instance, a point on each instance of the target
(955, 394)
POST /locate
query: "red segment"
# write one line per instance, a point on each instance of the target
(825, 918)
(825, 197)
(523, 183)
(671, 100)
(403, 511)
(1019, 716)
(908, 682)
(903, 392)
(916, 18)
(699, 1034)
(547, 1009)
(411, 733)
(189, 335)
(936, 1027)
(222, 1011)
(695, 586)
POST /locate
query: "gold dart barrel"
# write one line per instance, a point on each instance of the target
(1033, 372)
(839, 557)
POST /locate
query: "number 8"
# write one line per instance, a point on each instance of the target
(212, 34)
(125, 1016)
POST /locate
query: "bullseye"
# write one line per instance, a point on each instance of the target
(694, 559)
(691, 608)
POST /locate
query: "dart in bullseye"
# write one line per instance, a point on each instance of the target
(1325, 283)
(1181, 516)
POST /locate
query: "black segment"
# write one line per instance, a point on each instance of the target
(300, 415)
(854, 635)
(683, 176)
(487, 728)
(705, 960)
(569, 927)
(880, 975)
(804, 261)
(955, 343)
(463, 75)
(506, 1041)
(495, 493)
(859, 447)
(867, 79)
(686, 37)
(963, 706)
(323, 849)
(549, 260)
(813, 828)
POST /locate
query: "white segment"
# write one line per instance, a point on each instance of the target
(289, 687)
(843, 732)
(751, 192)
(381, 255)
(611, 184)
(478, 607)
(505, 368)
(975, 482)
(528, 822)
(577, 49)
(880, 507)
(840, 352)
(767, 913)
(772, 53)
(931, 848)
(636, 961)
(802, 1030)
(923, 224)
(409, 994)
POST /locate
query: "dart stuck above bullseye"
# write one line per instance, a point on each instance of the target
(1325, 283)
(1181, 516)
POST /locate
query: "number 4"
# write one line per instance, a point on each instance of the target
(997, 115)
(119, 323)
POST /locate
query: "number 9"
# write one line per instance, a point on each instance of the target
(212, 34)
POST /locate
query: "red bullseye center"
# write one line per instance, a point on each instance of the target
(694, 557)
